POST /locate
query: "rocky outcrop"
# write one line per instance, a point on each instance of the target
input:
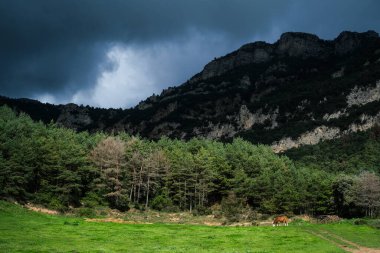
(362, 96)
(290, 44)
(322, 133)
(246, 119)
(349, 41)
(308, 138)
(257, 52)
(302, 45)
(221, 131)
(335, 115)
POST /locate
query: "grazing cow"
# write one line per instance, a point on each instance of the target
(280, 219)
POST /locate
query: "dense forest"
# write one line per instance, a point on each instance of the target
(62, 169)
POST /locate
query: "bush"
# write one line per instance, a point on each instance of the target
(375, 224)
(162, 203)
(231, 207)
(92, 200)
(86, 212)
(139, 207)
(201, 211)
(57, 205)
(120, 203)
(360, 222)
(216, 210)
(251, 215)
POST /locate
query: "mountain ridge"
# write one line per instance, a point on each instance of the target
(297, 91)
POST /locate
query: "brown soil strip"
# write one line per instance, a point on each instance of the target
(115, 220)
(40, 209)
(357, 248)
(363, 249)
(327, 233)
(333, 242)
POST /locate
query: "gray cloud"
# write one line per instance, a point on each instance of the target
(59, 51)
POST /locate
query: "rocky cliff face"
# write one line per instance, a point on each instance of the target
(299, 90)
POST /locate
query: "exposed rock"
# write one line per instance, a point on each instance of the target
(348, 41)
(322, 133)
(367, 122)
(303, 105)
(246, 119)
(248, 54)
(335, 115)
(303, 45)
(338, 73)
(362, 96)
(308, 138)
(221, 130)
(293, 44)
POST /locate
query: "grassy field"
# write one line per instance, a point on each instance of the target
(22, 230)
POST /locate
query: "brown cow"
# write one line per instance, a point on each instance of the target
(280, 219)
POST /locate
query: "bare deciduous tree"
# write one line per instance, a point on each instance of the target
(367, 189)
(109, 156)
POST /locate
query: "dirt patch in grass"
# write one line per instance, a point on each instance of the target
(115, 220)
(343, 243)
(212, 223)
(41, 209)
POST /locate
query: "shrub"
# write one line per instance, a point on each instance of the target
(360, 222)
(92, 200)
(201, 210)
(162, 203)
(375, 224)
(216, 210)
(86, 212)
(231, 207)
(139, 207)
(121, 203)
(57, 205)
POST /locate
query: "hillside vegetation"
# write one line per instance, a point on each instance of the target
(62, 169)
(352, 153)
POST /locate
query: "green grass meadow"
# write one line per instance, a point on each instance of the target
(22, 230)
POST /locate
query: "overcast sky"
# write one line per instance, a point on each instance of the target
(115, 53)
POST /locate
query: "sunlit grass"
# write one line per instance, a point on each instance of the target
(26, 231)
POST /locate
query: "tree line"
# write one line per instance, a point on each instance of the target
(59, 168)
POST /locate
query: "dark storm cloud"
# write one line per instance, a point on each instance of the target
(328, 18)
(59, 47)
(56, 46)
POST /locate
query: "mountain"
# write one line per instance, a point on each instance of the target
(299, 90)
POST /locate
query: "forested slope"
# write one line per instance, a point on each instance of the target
(62, 169)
